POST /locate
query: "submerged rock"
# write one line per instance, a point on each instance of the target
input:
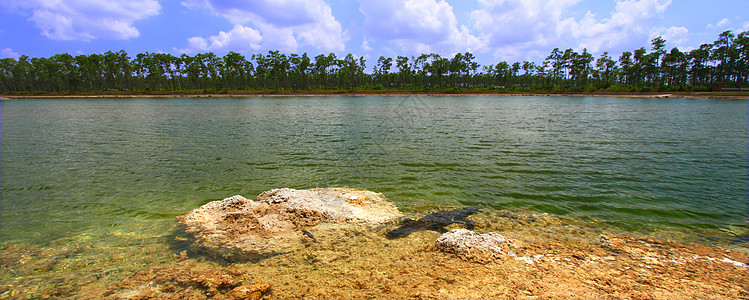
(184, 279)
(280, 220)
(435, 221)
(471, 245)
(249, 292)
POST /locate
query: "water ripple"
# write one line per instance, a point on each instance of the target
(73, 166)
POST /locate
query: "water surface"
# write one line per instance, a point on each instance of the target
(116, 171)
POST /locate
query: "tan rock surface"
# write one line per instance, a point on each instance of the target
(336, 204)
(281, 220)
(471, 245)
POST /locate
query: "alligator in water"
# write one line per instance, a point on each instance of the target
(740, 239)
(436, 221)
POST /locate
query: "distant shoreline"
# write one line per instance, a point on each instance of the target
(709, 95)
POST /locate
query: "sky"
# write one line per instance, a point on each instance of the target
(493, 30)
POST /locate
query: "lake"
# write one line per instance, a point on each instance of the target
(113, 173)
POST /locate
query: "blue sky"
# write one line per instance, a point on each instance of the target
(493, 30)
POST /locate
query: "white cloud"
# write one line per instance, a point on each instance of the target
(284, 24)
(284, 13)
(517, 28)
(196, 44)
(630, 26)
(8, 53)
(240, 38)
(365, 45)
(517, 22)
(418, 26)
(720, 24)
(279, 38)
(86, 20)
(674, 36)
(426, 20)
(736, 25)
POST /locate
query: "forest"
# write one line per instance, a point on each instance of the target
(721, 64)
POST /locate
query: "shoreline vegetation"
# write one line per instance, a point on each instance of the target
(721, 66)
(330, 93)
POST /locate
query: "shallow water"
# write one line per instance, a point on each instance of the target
(110, 174)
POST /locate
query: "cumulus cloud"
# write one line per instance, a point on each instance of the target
(86, 20)
(239, 38)
(418, 26)
(630, 25)
(520, 28)
(283, 24)
(674, 36)
(8, 53)
(517, 22)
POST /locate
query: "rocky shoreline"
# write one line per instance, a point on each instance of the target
(535, 249)
(334, 243)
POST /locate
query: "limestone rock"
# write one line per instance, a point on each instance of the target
(471, 245)
(336, 204)
(280, 220)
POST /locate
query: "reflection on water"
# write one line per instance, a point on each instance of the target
(101, 179)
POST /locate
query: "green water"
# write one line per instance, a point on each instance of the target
(116, 171)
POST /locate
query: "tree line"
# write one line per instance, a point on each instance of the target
(722, 63)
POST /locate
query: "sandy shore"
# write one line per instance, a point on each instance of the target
(710, 95)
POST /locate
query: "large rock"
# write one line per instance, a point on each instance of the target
(336, 204)
(281, 220)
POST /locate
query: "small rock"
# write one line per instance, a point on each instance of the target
(253, 291)
(471, 245)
